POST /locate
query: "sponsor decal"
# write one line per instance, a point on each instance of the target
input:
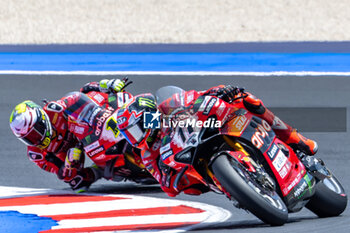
(273, 151)
(121, 120)
(79, 130)
(54, 120)
(283, 172)
(209, 106)
(278, 124)
(239, 123)
(221, 109)
(279, 161)
(112, 125)
(145, 102)
(99, 98)
(189, 98)
(294, 182)
(99, 157)
(204, 103)
(54, 107)
(34, 156)
(300, 189)
(164, 148)
(167, 154)
(101, 119)
(172, 164)
(120, 99)
(92, 146)
(261, 132)
(95, 111)
(198, 101)
(96, 151)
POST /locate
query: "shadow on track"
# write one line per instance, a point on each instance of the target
(249, 224)
(125, 188)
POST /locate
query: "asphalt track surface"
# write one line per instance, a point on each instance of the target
(17, 170)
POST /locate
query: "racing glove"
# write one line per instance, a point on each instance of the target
(74, 161)
(229, 93)
(112, 85)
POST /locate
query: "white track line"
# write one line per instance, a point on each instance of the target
(131, 220)
(183, 73)
(7, 192)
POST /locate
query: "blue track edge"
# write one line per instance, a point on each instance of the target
(15, 222)
(220, 62)
(224, 57)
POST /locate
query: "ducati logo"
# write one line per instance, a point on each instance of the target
(278, 124)
(54, 107)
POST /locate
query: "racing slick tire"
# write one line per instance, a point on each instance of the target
(264, 204)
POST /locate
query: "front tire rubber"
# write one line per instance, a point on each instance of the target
(268, 207)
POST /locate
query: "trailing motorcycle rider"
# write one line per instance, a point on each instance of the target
(51, 139)
(130, 122)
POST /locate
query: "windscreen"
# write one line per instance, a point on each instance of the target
(166, 92)
(83, 109)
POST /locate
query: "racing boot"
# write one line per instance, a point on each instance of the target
(284, 132)
(299, 142)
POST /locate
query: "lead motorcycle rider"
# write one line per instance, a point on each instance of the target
(50, 138)
(130, 123)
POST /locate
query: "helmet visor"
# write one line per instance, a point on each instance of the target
(39, 131)
(35, 136)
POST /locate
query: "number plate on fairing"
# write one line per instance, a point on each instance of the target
(279, 161)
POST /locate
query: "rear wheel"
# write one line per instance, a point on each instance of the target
(263, 202)
(329, 199)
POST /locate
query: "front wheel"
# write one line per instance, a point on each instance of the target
(264, 203)
(329, 199)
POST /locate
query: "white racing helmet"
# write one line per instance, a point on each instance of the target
(30, 124)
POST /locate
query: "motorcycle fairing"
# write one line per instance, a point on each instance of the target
(294, 182)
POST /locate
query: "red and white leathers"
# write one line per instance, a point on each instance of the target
(52, 158)
(166, 175)
(67, 135)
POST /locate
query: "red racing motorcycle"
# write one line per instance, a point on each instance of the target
(96, 129)
(216, 146)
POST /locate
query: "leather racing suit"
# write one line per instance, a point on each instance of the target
(66, 134)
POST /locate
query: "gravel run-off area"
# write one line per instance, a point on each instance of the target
(172, 21)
